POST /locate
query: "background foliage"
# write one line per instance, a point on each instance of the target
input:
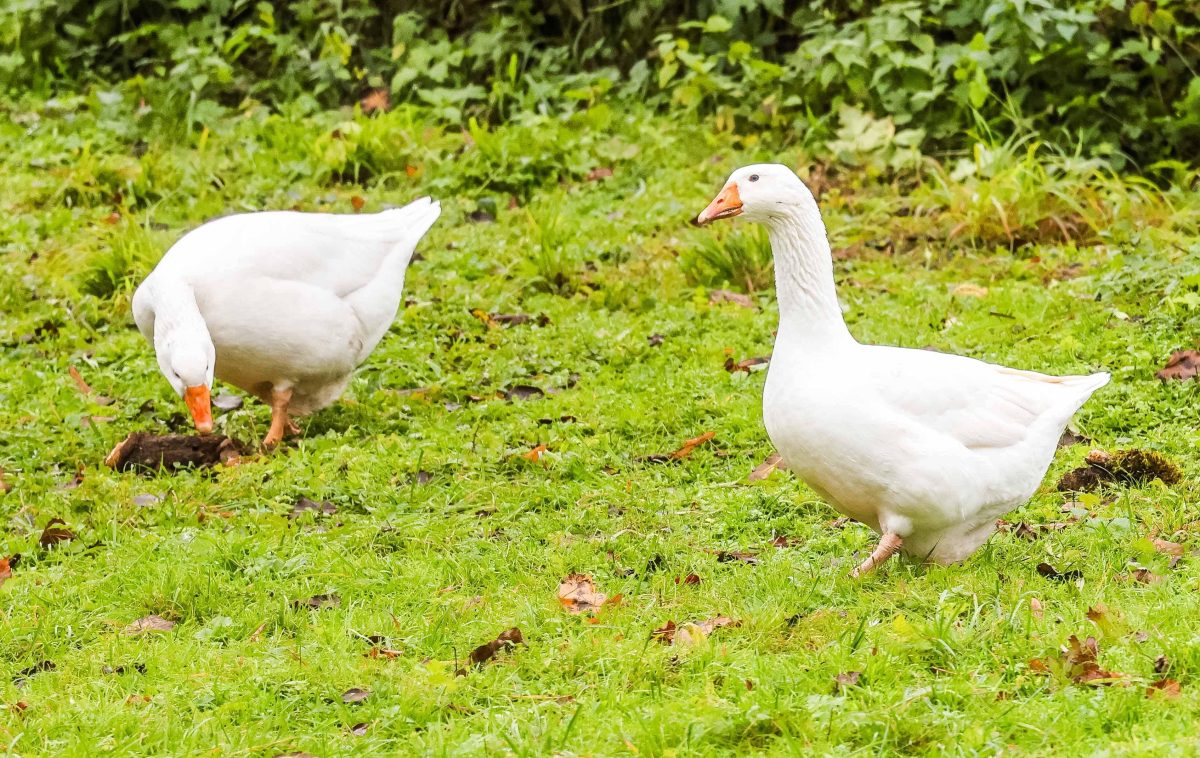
(1118, 78)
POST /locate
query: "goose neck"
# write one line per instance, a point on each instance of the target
(809, 311)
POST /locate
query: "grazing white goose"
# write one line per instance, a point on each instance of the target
(925, 448)
(282, 304)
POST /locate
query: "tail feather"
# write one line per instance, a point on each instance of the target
(377, 301)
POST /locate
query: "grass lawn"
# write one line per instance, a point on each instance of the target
(446, 534)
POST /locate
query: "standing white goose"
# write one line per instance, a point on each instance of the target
(925, 448)
(282, 304)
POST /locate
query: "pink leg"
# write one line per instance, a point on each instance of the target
(889, 545)
(279, 417)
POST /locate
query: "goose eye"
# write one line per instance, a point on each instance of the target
(754, 177)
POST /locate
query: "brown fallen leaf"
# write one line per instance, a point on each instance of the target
(488, 650)
(689, 579)
(360, 728)
(1048, 571)
(5, 570)
(5, 486)
(383, 652)
(146, 452)
(56, 531)
(1031, 531)
(691, 633)
(1173, 549)
(845, 680)
(376, 100)
(330, 600)
(305, 505)
(577, 593)
(355, 695)
(1183, 364)
(745, 365)
(726, 296)
(1145, 576)
(1035, 608)
(523, 392)
(763, 470)
(967, 289)
(731, 556)
(689, 446)
(783, 541)
(1169, 689)
(357, 202)
(152, 623)
(85, 389)
(1081, 665)
(602, 172)
(1069, 438)
(535, 455)
(665, 633)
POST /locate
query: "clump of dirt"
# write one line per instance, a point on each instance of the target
(146, 452)
(1128, 467)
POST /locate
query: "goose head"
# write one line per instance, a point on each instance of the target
(187, 361)
(761, 192)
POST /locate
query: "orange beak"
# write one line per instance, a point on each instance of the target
(200, 406)
(727, 205)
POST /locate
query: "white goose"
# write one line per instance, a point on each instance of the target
(925, 448)
(282, 304)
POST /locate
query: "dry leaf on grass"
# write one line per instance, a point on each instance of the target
(376, 100)
(522, 392)
(1081, 665)
(355, 695)
(488, 650)
(5, 486)
(774, 462)
(726, 296)
(690, 633)
(967, 289)
(1048, 571)
(304, 505)
(86, 390)
(689, 447)
(330, 600)
(734, 556)
(746, 365)
(1173, 549)
(602, 172)
(577, 593)
(56, 531)
(1035, 608)
(1183, 364)
(1169, 689)
(535, 455)
(846, 679)
(1069, 438)
(152, 623)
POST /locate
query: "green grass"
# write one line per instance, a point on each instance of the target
(441, 566)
